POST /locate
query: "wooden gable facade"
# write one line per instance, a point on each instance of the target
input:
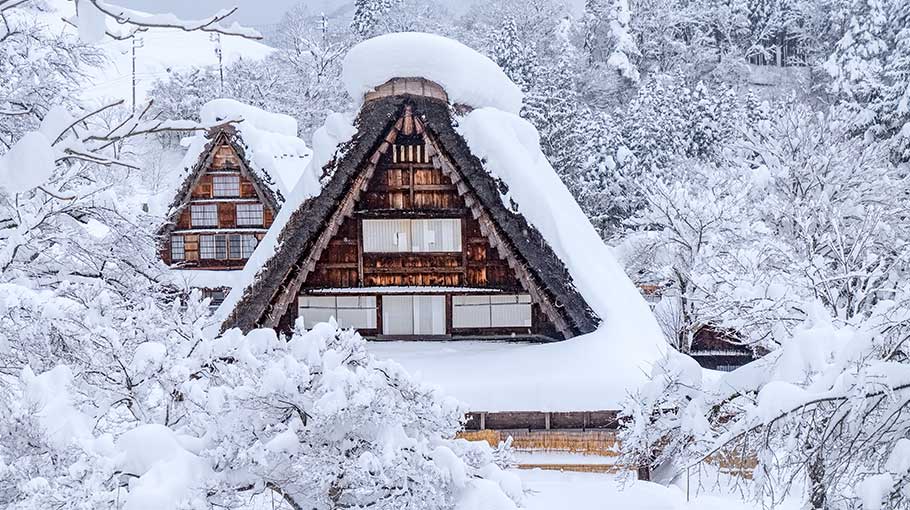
(222, 210)
(410, 239)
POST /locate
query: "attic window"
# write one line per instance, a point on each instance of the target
(409, 153)
(226, 185)
(249, 215)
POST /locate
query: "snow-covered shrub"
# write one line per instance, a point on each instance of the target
(825, 414)
(197, 421)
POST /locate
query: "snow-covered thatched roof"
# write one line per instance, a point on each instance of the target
(499, 155)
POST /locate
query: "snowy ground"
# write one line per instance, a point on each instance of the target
(555, 490)
(581, 373)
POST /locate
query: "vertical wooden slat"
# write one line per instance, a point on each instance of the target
(359, 239)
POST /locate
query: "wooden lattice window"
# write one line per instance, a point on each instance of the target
(204, 215)
(349, 311)
(248, 245)
(249, 215)
(226, 185)
(491, 311)
(178, 251)
(234, 246)
(412, 235)
(221, 247)
(207, 247)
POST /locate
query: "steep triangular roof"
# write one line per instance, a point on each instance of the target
(309, 227)
(217, 136)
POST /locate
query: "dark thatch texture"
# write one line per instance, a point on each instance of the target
(375, 120)
(218, 135)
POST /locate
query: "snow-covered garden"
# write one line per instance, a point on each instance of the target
(745, 167)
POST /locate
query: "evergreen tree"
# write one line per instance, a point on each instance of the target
(896, 110)
(517, 60)
(608, 38)
(857, 62)
(552, 106)
(368, 15)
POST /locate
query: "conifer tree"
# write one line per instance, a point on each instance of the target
(857, 62)
(517, 60)
(368, 15)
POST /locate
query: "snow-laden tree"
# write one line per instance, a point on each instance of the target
(114, 395)
(857, 62)
(799, 211)
(178, 420)
(798, 240)
(608, 36)
(895, 105)
(38, 69)
(517, 60)
(825, 416)
(369, 14)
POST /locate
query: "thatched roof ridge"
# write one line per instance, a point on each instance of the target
(307, 222)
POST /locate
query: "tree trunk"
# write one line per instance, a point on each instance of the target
(644, 472)
(817, 496)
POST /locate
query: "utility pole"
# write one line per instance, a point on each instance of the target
(324, 25)
(137, 43)
(216, 38)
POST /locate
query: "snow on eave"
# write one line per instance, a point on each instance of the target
(509, 148)
(467, 77)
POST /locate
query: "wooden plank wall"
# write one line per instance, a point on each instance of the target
(400, 190)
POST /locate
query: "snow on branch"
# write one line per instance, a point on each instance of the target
(212, 23)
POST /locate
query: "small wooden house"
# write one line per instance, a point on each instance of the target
(410, 238)
(221, 211)
(719, 349)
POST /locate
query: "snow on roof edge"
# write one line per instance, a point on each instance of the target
(509, 146)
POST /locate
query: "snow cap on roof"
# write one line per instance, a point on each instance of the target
(270, 141)
(468, 77)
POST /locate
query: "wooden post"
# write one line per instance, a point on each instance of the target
(644, 472)
(483, 421)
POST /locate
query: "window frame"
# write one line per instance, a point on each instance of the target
(415, 232)
(205, 211)
(174, 249)
(260, 214)
(248, 241)
(221, 243)
(231, 193)
(487, 306)
(340, 307)
(207, 247)
(235, 242)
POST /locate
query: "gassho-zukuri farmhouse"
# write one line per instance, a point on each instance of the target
(429, 220)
